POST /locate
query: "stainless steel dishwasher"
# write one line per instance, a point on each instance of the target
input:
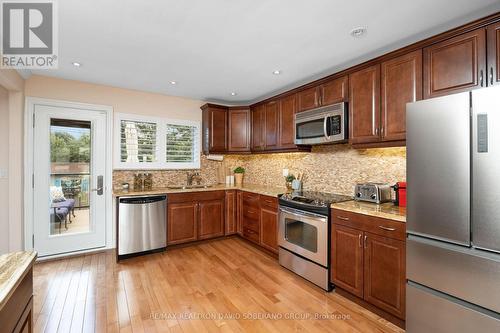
(142, 225)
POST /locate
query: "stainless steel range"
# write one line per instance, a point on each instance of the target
(304, 234)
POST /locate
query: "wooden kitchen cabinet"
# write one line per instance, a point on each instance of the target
(383, 282)
(239, 212)
(238, 130)
(231, 213)
(194, 216)
(258, 128)
(211, 219)
(330, 92)
(16, 314)
(364, 105)
(214, 128)
(182, 222)
(269, 223)
(287, 110)
(368, 259)
(455, 65)
(347, 259)
(401, 83)
(493, 41)
(271, 125)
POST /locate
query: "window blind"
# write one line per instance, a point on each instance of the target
(138, 141)
(181, 143)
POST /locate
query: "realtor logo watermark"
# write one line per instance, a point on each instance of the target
(29, 34)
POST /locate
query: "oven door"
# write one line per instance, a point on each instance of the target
(305, 234)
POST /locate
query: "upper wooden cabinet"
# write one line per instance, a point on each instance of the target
(239, 129)
(287, 110)
(456, 64)
(401, 83)
(364, 105)
(214, 128)
(258, 128)
(493, 54)
(271, 124)
(327, 93)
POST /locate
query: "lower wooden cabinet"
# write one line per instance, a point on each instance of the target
(269, 229)
(16, 314)
(347, 259)
(384, 285)
(195, 216)
(211, 219)
(182, 222)
(231, 213)
(368, 261)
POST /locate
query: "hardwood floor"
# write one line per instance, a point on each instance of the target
(218, 286)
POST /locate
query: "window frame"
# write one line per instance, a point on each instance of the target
(161, 144)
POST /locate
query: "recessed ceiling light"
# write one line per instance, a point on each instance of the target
(173, 82)
(234, 93)
(76, 64)
(358, 32)
(277, 72)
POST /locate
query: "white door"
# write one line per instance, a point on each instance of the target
(69, 154)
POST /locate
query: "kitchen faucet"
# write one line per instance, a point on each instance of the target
(192, 176)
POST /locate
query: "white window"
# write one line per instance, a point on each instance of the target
(156, 143)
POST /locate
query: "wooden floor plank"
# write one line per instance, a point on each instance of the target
(221, 286)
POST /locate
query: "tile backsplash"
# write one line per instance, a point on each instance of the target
(329, 168)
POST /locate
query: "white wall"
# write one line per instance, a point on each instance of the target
(11, 81)
(4, 168)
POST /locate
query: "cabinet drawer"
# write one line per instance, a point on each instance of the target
(195, 196)
(251, 212)
(269, 202)
(375, 225)
(251, 235)
(251, 223)
(250, 199)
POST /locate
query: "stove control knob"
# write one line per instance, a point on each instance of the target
(358, 194)
(373, 196)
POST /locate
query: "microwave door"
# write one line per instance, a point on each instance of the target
(310, 131)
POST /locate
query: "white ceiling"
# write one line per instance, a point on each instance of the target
(214, 47)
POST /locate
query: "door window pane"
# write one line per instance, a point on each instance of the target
(302, 234)
(70, 160)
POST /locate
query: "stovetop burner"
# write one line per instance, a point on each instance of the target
(312, 201)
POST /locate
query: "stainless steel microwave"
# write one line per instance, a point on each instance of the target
(328, 124)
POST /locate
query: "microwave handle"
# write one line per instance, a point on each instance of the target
(325, 131)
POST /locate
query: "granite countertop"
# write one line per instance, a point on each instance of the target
(386, 210)
(259, 189)
(13, 268)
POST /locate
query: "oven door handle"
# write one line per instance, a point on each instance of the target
(303, 213)
(325, 130)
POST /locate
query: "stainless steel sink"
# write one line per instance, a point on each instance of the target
(187, 187)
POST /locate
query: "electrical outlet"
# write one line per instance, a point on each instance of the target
(285, 172)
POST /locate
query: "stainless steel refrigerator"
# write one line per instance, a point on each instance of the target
(453, 213)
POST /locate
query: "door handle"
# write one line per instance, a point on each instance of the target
(325, 132)
(342, 218)
(386, 228)
(491, 75)
(366, 237)
(359, 239)
(100, 186)
(481, 77)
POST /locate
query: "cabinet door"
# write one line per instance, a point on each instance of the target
(287, 111)
(308, 99)
(384, 278)
(401, 84)
(494, 54)
(239, 212)
(455, 65)
(182, 222)
(364, 105)
(218, 130)
(271, 125)
(211, 219)
(231, 213)
(334, 91)
(258, 128)
(239, 130)
(347, 259)
(269, 229)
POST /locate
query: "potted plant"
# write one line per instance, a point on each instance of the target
(238, 176)
(289, 179)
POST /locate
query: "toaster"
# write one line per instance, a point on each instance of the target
(373, 192)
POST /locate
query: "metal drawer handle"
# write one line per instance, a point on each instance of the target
(251, 211)
(342, 218)
(386, 228)
(366, 238)
(359, 238)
